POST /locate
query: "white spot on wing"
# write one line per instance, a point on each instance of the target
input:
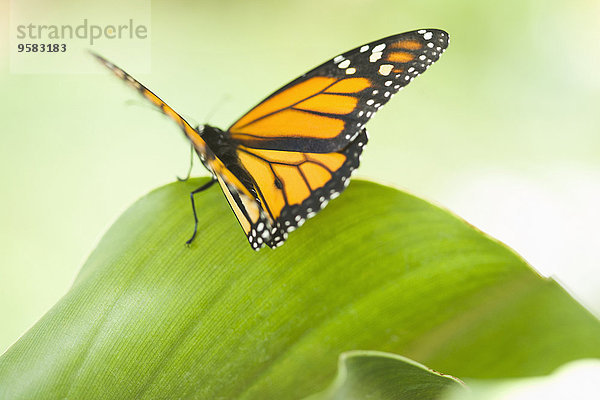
(378, 48)
(344, 64)
(375, 56)
(385, 69)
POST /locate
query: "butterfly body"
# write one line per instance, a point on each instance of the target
(216, 145)
(285, 159)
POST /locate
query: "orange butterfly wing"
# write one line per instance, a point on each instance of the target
(255, 222)
(325, 109)
(190, 132)
(294, 186)
(301, 144)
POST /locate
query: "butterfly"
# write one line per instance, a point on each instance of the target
(285, 159)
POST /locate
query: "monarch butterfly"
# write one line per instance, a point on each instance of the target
(284, 160)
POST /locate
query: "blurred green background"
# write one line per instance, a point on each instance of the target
(503, 130)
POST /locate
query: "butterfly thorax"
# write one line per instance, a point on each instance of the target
(220, 146)
(217, 146)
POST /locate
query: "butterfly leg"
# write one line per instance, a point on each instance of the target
(191, 165)
(200, 189)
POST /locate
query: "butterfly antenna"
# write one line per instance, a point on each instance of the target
(141, 103)
(193, 123)
(224, 98)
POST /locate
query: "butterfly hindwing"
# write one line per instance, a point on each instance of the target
(294, 186)
(325, 109)
(252, 218)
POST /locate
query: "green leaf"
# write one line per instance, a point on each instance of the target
(378, 269)
(384, 376)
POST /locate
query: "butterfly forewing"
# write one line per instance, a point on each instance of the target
(325, 109)
(190, 132)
